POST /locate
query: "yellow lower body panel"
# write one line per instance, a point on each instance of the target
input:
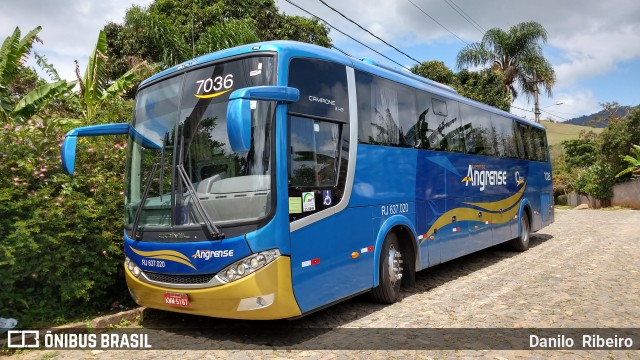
(233, 300)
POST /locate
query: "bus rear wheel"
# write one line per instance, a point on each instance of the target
(391, 269)
(521, 243)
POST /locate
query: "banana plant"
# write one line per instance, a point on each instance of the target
(95, 90)
(633, 160)
(13, 54)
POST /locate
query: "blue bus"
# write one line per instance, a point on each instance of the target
(274, 179)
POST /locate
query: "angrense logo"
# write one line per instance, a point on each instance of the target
(478, 176)
(208, 254)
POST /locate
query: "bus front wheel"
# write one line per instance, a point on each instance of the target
(390, 272)
(521, 243)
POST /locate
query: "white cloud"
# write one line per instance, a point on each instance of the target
(592, 35)
(589, 37)
(69, 28)
(596, 52)
(563, 106)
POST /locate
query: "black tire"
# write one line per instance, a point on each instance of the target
(391, 271)
(521, 243)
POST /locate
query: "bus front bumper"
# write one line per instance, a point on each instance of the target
(264, 295)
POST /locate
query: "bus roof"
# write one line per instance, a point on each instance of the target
(288, 49)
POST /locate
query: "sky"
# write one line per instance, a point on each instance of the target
(593, 45)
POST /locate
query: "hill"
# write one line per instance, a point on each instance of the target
(598, 119)
(559, 132)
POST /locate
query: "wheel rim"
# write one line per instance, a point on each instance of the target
(525, 230)
(394, 260)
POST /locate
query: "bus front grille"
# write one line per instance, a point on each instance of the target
(180, 279)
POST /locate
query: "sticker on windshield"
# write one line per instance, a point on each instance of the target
(326, 197)
(308, 201)
(256, 72)
(295, 205)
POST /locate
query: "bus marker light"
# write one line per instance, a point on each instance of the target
(311, 262)
(488, 222)
(366, 249)
(355, 254)
(432, 237)
(456, 229)
(475, 227)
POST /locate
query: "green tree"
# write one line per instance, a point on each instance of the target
(61, 248)
(580, 153)
(171, 31)
(436, 71)
(596, 182)
(485, 86)
(570, 160)
(618, 138)
(516, 53)
(563, 176)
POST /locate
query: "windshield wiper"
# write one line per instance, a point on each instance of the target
(143, 199)
(162, 160)
(213, 230)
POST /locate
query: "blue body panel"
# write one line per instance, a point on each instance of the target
(322, 267)
(186, 258)
(418, 190)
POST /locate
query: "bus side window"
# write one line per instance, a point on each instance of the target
(540, 144)
(386, 112)
(505, 136)
(519, 135)
(314, 152)
(481, 138)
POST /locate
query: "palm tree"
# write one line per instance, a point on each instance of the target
(516, 53)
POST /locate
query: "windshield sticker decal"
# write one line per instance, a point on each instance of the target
(295, 205)
(326, 197)
(256, 72)
(308, 201)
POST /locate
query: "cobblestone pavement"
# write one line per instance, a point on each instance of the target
(580, 272)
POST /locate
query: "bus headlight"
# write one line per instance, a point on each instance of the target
(135, 270)
(248, 265)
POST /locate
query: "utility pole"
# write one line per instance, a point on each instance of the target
(535, 95)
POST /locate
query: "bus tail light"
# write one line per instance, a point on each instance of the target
(248, 265)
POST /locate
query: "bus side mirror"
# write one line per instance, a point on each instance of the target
(240, 106)
(70, 140)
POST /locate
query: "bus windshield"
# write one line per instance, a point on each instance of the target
(180, 164)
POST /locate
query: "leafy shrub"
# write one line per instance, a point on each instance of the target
(562, 200)
(60, 236)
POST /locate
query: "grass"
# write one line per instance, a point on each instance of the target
(559, 132)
